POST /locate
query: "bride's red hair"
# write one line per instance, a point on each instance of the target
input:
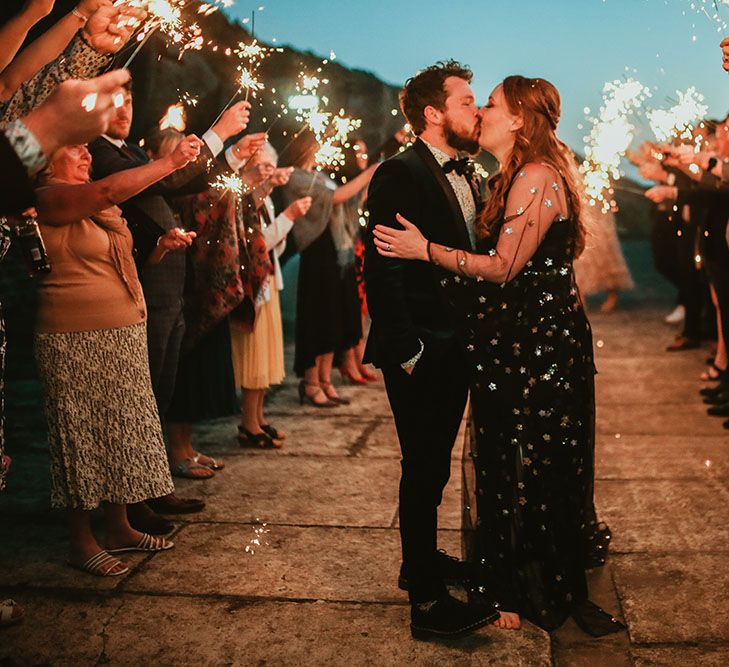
(538, 103)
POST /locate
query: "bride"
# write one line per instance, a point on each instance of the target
(530, 357)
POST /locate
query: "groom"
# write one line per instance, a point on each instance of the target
(412, 338)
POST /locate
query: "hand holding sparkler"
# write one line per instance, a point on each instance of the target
(298, 208)
(233, 120)
(173, 240)
(110, 27)
(247, 146)
(77, 111)
(653, 171)
(87, 7)
(186, 151)
(661, 193)
(281, 176)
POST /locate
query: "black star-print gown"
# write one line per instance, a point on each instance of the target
(530, 521)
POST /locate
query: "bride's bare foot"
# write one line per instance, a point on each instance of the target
(508, 620)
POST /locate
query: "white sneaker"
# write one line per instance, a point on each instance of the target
(676, 316)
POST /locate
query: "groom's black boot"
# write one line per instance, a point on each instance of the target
(447, 617)
(452, 572)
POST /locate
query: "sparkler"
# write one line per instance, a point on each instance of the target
(175, 118)
(228, 183)
(677, 122)
(609, 139)
(166, 16)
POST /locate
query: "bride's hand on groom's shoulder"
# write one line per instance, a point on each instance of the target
(406, 243)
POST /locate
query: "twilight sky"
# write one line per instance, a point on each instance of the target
(576, 44)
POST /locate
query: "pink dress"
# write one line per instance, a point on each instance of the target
(601, 267)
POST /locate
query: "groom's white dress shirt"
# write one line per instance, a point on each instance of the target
(462, 190)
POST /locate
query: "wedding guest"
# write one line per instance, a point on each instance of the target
(602, 266)
(319, 317)
(25, 146)
(86, 56)
(205, 385)
(150, 215)
(348, 357)
(104, 430)
(258, 346)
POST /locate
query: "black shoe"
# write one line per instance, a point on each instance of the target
(594, 621)
(144, 520)
(716, 389)
(726, 424)
(451, 570)
(717, 399)
(447, 617)
(171, 504)
(719, 410)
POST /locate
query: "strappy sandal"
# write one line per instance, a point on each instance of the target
(212, 463)
(147, 544)
(334, 399)
(272, 432)
(103, 564)
(260, 440)
(11, 613)
(185, 469)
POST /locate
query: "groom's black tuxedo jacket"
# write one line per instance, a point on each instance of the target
(403, 296)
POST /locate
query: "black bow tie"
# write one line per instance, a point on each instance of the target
(459, 166)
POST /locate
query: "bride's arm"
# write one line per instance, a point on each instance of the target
(536, 199)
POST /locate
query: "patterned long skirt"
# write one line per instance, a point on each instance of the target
(103, 427)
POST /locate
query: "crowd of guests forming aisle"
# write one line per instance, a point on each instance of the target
(690, 209)
(162, 299)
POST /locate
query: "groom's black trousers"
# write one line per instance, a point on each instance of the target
(428, 407)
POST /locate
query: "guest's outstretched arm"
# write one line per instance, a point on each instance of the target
(14, 32)
(65, 204)
(47, 47)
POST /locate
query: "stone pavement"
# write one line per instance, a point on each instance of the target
(294, 561)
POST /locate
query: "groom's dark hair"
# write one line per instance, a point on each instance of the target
(426, 89)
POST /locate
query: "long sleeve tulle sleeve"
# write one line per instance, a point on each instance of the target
(535, 200)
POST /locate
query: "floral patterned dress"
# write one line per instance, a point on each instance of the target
(529, 478)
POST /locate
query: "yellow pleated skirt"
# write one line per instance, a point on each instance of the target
(258, 355)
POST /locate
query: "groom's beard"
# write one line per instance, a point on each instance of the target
(461, 142)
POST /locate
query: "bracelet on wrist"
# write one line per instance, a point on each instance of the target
(75, 11)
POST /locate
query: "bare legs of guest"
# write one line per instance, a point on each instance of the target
(350, 368)
(324, 363)
(85, 551)
(184, 460)
(254, 430)
(719, 364)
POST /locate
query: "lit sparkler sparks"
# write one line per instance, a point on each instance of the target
(228, 183)
(609, 139)
(259, 538)
(678, 121)
(166, 17)
(175, 118)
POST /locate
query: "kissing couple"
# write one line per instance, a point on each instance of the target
(479, 296)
